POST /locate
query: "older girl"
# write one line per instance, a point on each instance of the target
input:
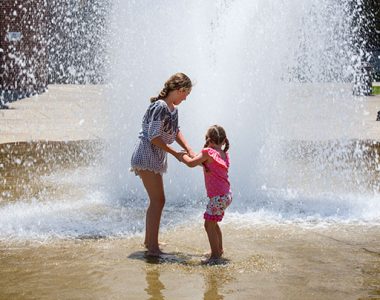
(149, 159)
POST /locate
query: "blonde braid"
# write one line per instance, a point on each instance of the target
(175, 82)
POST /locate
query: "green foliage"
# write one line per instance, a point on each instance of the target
(376, 90)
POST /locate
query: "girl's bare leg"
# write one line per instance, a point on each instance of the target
(219, 233)
(154, 186)
(220, 243)
(212, 235)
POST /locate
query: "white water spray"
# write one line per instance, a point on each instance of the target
(274, 74)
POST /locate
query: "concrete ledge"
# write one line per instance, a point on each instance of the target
(77, 112)
(63, 113)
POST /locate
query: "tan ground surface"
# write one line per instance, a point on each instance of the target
(261, 262)
(64, 113)
(76, 112)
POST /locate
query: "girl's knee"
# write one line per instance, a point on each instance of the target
(210, 224)
(158, 202)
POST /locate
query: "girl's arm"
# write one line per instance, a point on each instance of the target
(180, 139)
(160, 143)
(195, 161)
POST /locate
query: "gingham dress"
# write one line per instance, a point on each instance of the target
(157, 121)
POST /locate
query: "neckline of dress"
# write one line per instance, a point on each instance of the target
(171, 111)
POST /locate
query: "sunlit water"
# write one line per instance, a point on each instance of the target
(304, 223)
(76, 204)
(277, 76)
(274, 74)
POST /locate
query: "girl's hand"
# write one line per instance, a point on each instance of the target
(191, 153)
(179, 156)
(186, 158)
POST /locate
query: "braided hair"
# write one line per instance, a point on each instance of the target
(217, 135)
(175, 82)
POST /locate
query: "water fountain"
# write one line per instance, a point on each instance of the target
(275, 75)
(278, 76)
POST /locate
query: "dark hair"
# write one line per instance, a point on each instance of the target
(175, 82)
(217, 135)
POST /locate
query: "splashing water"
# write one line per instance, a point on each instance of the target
(276, 75)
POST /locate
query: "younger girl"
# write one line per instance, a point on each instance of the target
(215, 160)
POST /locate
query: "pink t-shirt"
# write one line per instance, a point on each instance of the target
(216, 178)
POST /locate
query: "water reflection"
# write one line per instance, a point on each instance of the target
(154, 285)
(216, 277)
(212, 288)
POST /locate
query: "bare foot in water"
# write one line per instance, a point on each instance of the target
(154, 253)
(208, 254)
(144, 245)
(211, 261)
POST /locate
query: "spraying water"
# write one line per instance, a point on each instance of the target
(276, 75)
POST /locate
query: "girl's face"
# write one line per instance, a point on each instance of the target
(181, 95)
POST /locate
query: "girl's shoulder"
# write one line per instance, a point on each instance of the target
(157, 110)
(215, 155)
(158, 104)
(161, 105)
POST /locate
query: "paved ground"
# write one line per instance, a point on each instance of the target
(75, 112)
(63, 113)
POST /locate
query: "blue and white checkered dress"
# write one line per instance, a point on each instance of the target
(157, 121)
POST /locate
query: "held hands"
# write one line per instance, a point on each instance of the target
(182, 155)
(191, 153)
(179, 155)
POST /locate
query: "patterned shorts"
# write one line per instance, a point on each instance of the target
(216, 206)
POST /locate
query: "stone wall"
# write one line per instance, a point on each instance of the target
(371, 30)
(50, 41)
(23, 51)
